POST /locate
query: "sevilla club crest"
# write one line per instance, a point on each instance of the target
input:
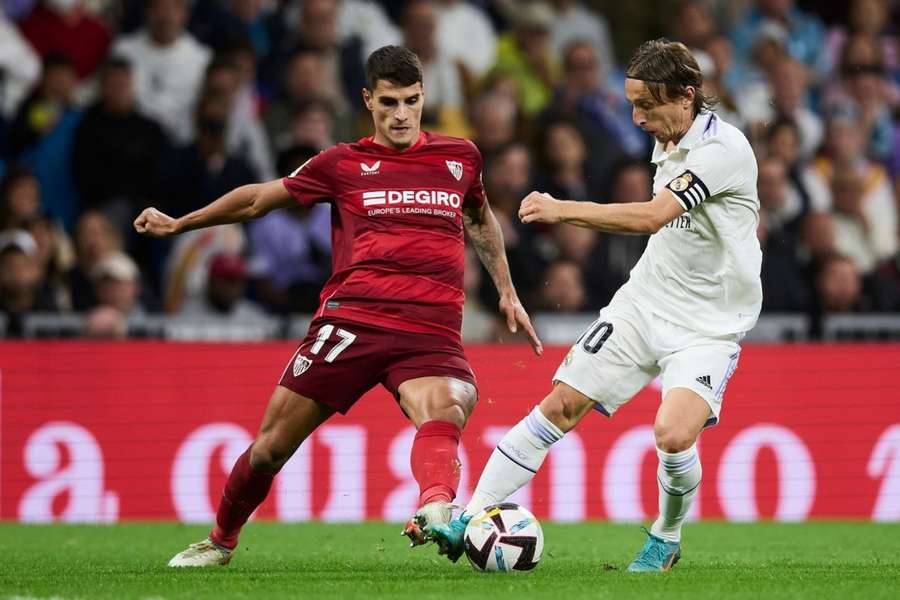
(301, 364)
(456, 168)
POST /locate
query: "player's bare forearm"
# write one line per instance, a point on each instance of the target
(241, 204)
(631, 217)
(487, 238)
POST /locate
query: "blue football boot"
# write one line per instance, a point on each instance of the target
(657, 555)
(449, 536)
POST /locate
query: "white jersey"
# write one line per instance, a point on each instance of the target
(702, 269)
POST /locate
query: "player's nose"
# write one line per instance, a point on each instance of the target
(637, 117)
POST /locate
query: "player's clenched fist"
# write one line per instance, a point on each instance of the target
(155, 223)
(538, 207)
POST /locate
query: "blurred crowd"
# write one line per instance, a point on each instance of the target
(109, 106)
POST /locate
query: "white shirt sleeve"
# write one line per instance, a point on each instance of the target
(711, 169)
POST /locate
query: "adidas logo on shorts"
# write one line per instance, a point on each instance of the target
(705, 380)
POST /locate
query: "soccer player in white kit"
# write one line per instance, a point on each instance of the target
(682, 314)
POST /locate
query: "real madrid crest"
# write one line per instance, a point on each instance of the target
(681, 183)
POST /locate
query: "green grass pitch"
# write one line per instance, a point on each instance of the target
(370, 561)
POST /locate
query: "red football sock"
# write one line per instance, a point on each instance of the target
(435, 462)
(245, 489)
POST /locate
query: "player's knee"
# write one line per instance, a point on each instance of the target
(672, 438)
(562, 408)
(268, 455)
(458, 408)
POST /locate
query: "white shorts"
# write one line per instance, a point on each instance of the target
(627, 347)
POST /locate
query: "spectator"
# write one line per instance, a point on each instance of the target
(474, 52)
(197, 174)
(562, 288)
(581, 246)
(479, 324)
(291, 250)
(805, 33)
(362, 25)
(870, 18)
(785, 284)
(95, 238)
(443, 110)
(839, 285)
(224, 299)
(749, 80)
(187, 265)
(168, 65)
(692, 24)
(615, 255)
(563, 161)
(20, 198)
(785, 203)
(117, 150)
(367, 21)
(20, 68)
(342, 75)
(495, 118)
(219, 24)
(865, 210)
(527, 56)
(818, 238)
(807, 190)
(720, 77)
(20, 281)
(105, 322)
(789, 99)
(117, 283)
(507, 176)
(66, 27)
(245, 136)
(603, 119)
(311, 125)
(55, 257)
(863, 87)
(43, 134)
(304, 83)
(576, 23)
(865, 219)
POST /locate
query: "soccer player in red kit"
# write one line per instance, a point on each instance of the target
(392, 310)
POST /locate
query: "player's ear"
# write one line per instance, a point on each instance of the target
(688, 98)
(367, 99)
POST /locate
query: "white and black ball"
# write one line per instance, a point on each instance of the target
(504, 537)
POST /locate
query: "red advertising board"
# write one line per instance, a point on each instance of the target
(104, 432)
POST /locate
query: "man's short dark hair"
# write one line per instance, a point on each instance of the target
(668, 69)
(395, 64)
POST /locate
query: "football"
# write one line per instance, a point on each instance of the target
(504, 537)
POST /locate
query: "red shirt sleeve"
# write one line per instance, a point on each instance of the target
(312, 182)
(475, 196)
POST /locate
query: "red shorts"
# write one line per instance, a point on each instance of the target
(340, 360)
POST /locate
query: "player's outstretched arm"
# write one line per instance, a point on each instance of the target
(486, 236)
(631, 217)
(240, 204)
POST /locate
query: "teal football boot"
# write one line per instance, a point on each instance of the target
(449, 537)
(657, 556)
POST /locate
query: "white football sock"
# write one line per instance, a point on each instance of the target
(678, 479)
(515, 460)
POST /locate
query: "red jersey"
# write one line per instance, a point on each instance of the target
(396, 229)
